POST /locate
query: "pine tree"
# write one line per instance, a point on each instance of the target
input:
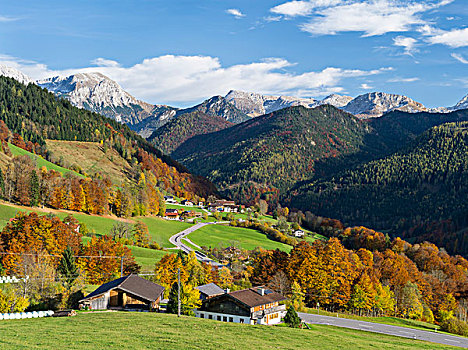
(2, 184)
(172, 304)
(34, 189)
(291, 318)
(67, 267)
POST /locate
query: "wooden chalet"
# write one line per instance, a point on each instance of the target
(257, 305)
(129, 292)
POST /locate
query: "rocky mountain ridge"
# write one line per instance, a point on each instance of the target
(98, 93)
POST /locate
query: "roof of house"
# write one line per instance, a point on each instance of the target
(132, 284)
(210, 289)
(252, 296)
(171, 211)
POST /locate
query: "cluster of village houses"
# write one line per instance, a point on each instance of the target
(257, 305)
(220, 205)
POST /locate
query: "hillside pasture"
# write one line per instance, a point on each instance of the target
(139, 330)
(220, 235)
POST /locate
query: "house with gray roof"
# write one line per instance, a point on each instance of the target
(209, 290)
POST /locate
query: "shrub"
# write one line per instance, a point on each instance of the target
(455, 326)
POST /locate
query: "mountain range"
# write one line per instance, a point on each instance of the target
(98, 93)
(391, 172)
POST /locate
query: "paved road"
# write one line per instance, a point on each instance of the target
(405, 332)
(177, 241)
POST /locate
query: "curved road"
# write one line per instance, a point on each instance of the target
(405, 332)
(177, 241)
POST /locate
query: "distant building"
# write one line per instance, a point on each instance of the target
(209, 290)
(171, 214)
(299, 233)
(128, 292)
(170, 200)
(187, 203)
(223, 205)
(256, 305)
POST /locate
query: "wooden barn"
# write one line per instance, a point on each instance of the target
(129, 292)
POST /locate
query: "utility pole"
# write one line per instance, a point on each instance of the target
(178, 292)
(121, 266)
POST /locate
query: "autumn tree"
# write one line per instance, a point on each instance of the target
(102, 257)
(31, 233)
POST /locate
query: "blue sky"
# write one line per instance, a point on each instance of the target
(181, 52)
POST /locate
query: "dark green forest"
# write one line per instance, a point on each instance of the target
(274, 151)
(37, 115)
(426, 182)
(171, 135)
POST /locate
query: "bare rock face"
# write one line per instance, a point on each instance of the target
(254, 104)
(336, 100)
(100, 94)
(375, 104)
(15, 74)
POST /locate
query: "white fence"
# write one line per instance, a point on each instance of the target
(12, 279)
(21, 315)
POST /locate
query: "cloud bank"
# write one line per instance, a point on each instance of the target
(187, 79)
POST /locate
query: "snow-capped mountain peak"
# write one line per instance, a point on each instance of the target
(462, 104)
(254, 104)
(14, 73)
(96, 92)
(375, 104)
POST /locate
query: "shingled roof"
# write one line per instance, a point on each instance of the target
(131, 284)
(253, 296)
(210, 289)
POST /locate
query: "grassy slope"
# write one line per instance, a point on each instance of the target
(16, 151)
(213, 235)
(120, 330)
(90, 156)
(161, 230)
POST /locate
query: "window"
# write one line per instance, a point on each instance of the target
(219, 318)
(202, 316)
(210, 317)
(231, 319)
(241, 320)
(224, 319)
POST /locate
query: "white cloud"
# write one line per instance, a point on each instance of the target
(366, 86)
(188, 79)
(8, 19)
(293, 8)
(273, 18)
(236, 13)
(402, 80)
(408, 43)
(459, 58)
(454, 38)
(302, 8)
(371, 17)
(102, 62)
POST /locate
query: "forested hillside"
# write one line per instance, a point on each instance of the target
(424, 183)
(170, 136)
(30, 115)
(268, 154)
